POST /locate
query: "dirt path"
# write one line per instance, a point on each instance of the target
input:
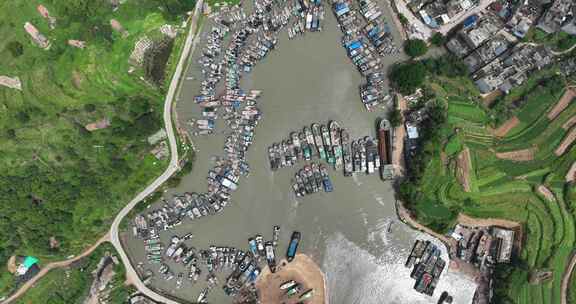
(506, 127)
(26, 286)
(566, 142)
(571, 175)
(518, 155)
(566, 279)
(399, 135)
(483, 222)
(463, 169)
(562, 103)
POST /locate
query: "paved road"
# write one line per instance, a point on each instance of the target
(24, 288)
(131, 274)
(417, 28)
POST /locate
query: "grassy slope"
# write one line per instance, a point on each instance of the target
(71, 285)
(505, 189)
(51, 169)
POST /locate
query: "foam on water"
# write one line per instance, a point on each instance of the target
(356, 276)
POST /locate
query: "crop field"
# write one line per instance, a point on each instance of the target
(502, 188)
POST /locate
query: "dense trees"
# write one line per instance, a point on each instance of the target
(407, 77)
(437, 39)
(395, 117)
(415, 47)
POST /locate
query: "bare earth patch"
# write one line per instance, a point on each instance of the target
(546, 193)
(506, 127)
(569, 123)
(302, 270)
(518, 155)
(564, 102)
(566, 142)
(463, 169)
(571, 175)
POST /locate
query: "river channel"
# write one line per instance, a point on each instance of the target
(353, 233)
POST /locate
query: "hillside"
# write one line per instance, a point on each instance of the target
(492, 161)
(58, 179)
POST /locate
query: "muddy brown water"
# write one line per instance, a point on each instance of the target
(305, 80)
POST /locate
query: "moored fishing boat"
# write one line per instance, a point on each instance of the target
(336, 146)
(288, 284)
(306, 148)
(293, 246)
(306, 295)
(346, 153)
(318, 141)
(326, 182)
(310, 139)
(296, 145)
(327, 145)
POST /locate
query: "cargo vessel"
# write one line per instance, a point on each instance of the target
(384, 146)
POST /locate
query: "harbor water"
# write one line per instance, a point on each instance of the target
(352, 233)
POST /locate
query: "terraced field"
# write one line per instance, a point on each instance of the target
(506, 188)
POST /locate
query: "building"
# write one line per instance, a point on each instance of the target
(473, 35)
(505, 244)
(488, 52)
(561, 13)
(511, 69)
(524, 17)
(39, 39)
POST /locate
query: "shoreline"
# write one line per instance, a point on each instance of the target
(302, 270)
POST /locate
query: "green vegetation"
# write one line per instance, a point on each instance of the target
(407, 77)
(415, 47)
(58, 179)
(395, 117)
(438, 39)
(500, 188)
(71, 285)
(403, 20)
(559, 41)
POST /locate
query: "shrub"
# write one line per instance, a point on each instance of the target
(407, 77)
(415, 47)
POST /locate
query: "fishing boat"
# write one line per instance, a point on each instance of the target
(270, 256)
(275, 235)
(370, 154)
(260, 245)
(296, 143)
(346, 153)
(294, 290)
(336, 146)
(327, 145)
(384, 146)
(288, 284)
(310, 140)
(307, 295)
(317, 175)
(293, 246)
(306, 148)
(318, 141)
(253, 247)
(326, 180)
(363, 164)
(356, 158)
(273, 159)
(307, 186)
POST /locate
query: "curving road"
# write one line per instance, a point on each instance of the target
(131, 274)
(29, 284)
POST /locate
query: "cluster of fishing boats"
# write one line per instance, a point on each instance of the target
(291, 289)
(242, 266)
(324, 142)
(428, 266)
(366, 40)
(311, 179)
(332, 144)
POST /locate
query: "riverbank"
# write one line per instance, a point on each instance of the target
(302, 270)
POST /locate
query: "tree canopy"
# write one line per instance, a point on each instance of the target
(415, 47)
(407, 77)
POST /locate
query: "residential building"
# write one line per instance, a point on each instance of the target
(559, 14)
